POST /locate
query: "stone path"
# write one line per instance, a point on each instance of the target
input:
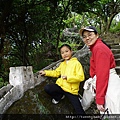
(115, 47)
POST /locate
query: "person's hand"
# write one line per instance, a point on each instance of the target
(64, 77)
(101, 108)
(42, 72)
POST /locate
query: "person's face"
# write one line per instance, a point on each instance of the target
(66, 53)
(89, 38)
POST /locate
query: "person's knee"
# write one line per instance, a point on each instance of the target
(47, 88)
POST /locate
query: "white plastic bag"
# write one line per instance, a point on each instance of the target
(89, 92)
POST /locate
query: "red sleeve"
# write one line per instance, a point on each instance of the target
(102, 67)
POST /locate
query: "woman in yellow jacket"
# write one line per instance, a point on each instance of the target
(70, 73)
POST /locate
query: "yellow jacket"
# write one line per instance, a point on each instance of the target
(74, 72)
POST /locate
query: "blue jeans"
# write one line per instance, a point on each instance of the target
(57, 92)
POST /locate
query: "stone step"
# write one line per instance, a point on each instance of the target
(117, 69)
(117, 61)
(117, 56)
(108, 41)
(116, 51)
(112, 44)
(115, 46)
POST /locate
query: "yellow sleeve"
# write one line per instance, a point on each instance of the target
(53, 73)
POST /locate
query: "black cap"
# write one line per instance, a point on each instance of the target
(88, 28)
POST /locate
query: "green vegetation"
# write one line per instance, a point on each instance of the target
(31, 31)
(41, 107)
(2, 83)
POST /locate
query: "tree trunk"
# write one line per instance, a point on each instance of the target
(110, 21)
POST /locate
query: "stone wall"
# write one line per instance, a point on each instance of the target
(22, 76)
(21, 79)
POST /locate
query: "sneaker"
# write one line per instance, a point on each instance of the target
(63, 97)
(56, 102)
(80, 99)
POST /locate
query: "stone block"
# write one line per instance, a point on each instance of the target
(10, 97)
(23, 76)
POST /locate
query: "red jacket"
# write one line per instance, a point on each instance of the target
(101, 61)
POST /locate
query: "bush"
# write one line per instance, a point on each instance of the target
(115, 29)
(3, 84)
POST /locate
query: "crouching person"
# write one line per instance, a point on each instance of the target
(70, 74)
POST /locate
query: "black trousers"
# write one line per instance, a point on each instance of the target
(57, 92)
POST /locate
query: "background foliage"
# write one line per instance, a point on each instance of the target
(31, 31)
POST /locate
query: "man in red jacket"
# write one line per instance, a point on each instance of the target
(102, 65)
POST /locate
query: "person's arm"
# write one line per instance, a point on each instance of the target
(52, 73)
(102, 64)
(42, 72)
